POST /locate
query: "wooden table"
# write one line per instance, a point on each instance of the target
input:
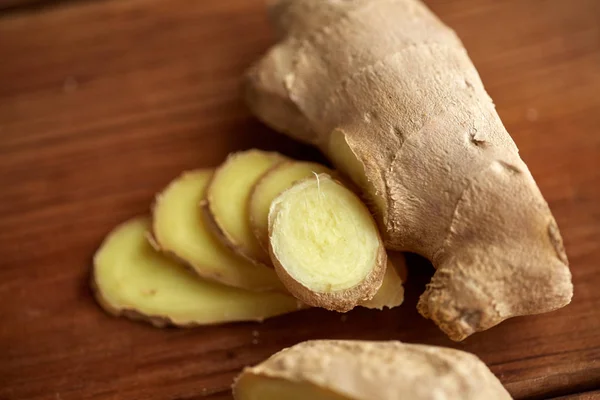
(103, 102)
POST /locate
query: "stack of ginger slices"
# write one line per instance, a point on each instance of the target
(260, 236)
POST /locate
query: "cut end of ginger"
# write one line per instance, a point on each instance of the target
(131, 279)
(277, 179)
(178, 228)
(325, 244)
(227, 201)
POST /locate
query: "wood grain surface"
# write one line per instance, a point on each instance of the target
(103, 102)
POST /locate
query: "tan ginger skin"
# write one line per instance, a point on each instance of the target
(362, 370)
(389, 93)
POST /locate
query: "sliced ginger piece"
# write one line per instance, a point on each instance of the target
(227, 198)
(391, 292)
(179, 228)
(362, 370)
(277, 179)
(132, 279)
(325, 244)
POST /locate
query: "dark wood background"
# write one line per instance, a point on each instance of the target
(103, 102)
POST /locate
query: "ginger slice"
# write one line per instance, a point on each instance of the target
(179, 228)
(325, 244)
(227, 198)
(132, 279)
(270, 185)
(391, 292)
(362, 370)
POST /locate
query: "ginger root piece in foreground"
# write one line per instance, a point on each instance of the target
(226, 205)
(132, 279)
(179, 228)
(360, 370)
(389, 93)
(325, 245)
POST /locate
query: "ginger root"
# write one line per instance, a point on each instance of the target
(270, 185)
(325, 244)
(178, 228)
(389, 93)
(226, 205)
(361, 370)
(132, 279)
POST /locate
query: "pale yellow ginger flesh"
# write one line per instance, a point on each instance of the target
(361, 370)
(270, 185)
(391, 292)
(227, 199)
(180, 229)
(130, 278)
(325, 244)
(389, 93)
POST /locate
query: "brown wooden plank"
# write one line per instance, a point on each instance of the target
(4, 4)
(581, 396)
(102, 103)
(28, 5)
